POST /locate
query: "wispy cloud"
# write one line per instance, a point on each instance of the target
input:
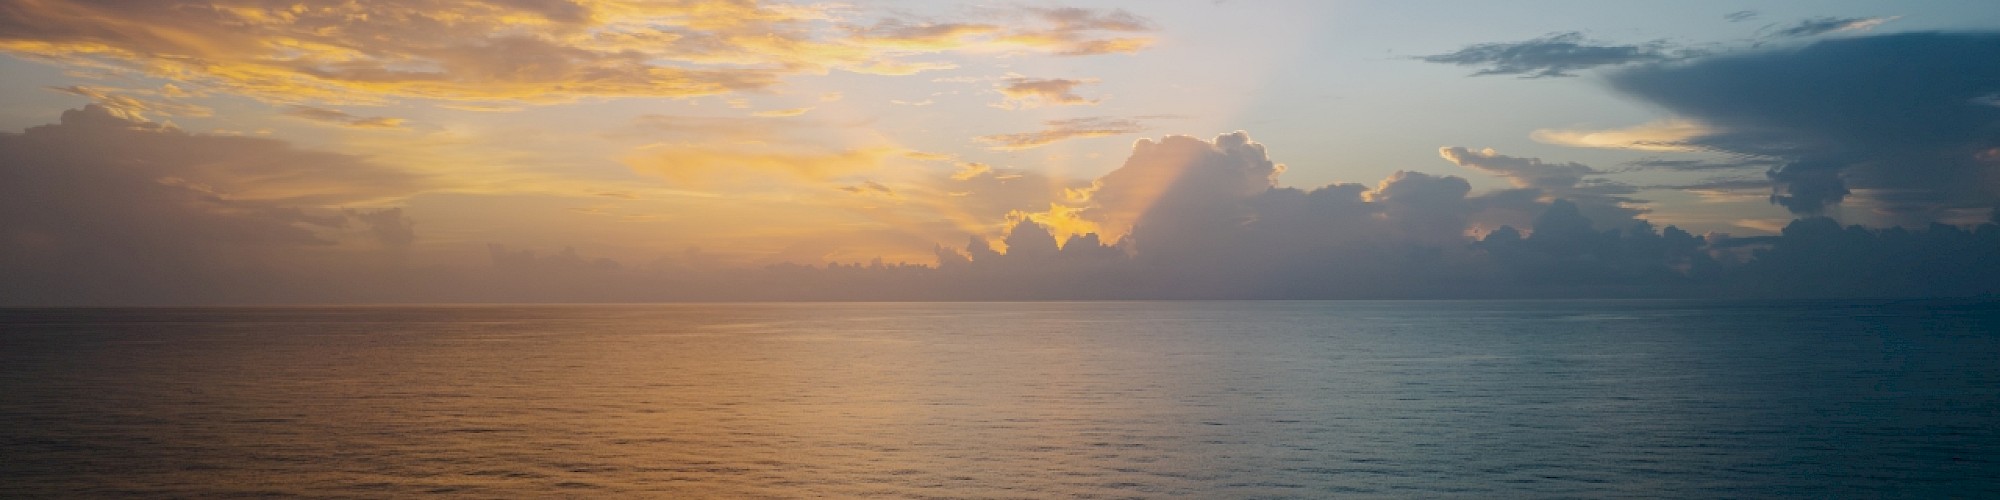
(1058, 130)
(1824, 25)
(1024, 92)
(520, 52)
(342, 118)
(127, 103)
(700, 164)
(779, 113)
(1663, 135)
(1554, 55)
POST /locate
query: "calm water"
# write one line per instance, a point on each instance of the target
(1203, 399)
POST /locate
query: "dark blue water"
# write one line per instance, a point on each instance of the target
(1031, 400)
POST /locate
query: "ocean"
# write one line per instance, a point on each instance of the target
(1420, 399)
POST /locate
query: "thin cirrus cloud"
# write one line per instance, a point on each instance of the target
(1670, 135)
(781, 113)
(695, 164)
(343, 118)
(1823, 25)
(1553, 55)
(137, 104)
(1063, 129)
(1065, 31)
(530, 52)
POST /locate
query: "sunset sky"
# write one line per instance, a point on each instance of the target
(166, 136)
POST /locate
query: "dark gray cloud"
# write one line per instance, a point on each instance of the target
(103, 209)
(1609, 202)
(1698, 165)
(1556, 54)
(1741, 15)
(1904, 116)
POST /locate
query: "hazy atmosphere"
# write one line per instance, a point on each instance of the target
(249, 151)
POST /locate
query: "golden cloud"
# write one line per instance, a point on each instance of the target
(523, 52)
(124, 104)
(1024, 93)
(781, 113)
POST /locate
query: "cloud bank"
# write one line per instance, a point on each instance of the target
(104, 210)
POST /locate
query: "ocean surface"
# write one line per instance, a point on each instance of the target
(1482, 399)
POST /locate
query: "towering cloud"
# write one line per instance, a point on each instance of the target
(1907, 121)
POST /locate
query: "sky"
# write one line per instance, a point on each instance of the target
(255, 151)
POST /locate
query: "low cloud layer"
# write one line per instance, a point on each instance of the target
(105, 210)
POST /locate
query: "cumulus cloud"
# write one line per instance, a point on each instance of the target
(1603, 200)
(1901, 113)
(1823, 25)
(86, 222)
(1179, 176)
(1058, 130)
(518, 52)
(1554, 55)
(1024, 93)
(342, 118)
